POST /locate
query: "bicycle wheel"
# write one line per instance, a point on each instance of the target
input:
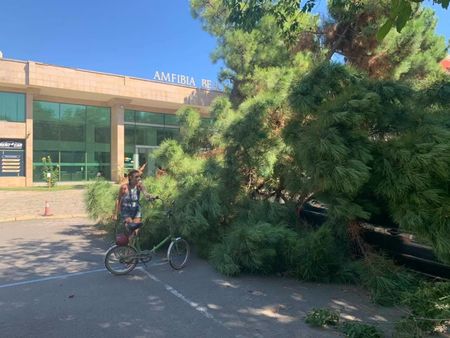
(120, 260)
(178, 253)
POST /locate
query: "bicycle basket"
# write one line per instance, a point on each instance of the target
(121, 239)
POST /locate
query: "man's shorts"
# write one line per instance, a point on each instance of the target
(131, 213)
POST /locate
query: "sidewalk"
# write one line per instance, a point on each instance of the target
(24, 205)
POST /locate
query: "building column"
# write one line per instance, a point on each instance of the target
(117, 142)
(29, 138)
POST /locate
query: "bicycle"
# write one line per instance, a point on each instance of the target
(122, 258)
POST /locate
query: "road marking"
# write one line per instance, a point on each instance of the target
(39, 280)
(176, 293)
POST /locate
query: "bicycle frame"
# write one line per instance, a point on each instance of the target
(137, 244)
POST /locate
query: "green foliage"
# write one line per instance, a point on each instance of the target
(371, 146)
(223, 116)
(322, 317)
(176, 161)
(194, 133)
(414, 54)
(245, 15)
(317, 256)
(430, 308)
(100, 199)
(328, 317)
(293, 127)
(386, 282)
(328, 139)
(255, 211)
(258, 248)
(156, 224)
(221, 258)
(199, 208)
(400, 14)
(50, 171)
(251, 142)
(408, 329)
(359, 330)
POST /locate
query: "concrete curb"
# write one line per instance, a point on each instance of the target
(35, 217)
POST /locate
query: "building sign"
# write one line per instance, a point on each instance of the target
(185, 80)
(12, 157)
(11, 145)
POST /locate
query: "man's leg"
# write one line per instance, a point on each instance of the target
(136, 232)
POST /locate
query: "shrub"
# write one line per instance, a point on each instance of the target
(50, 171)
(328, 317)
(100, 198)
(265, 211)
(350, 272)
(386, 281)
(221, 258)
(317, 256)
(430, 308)
(261, 247)
(322, 317)
(359, 330)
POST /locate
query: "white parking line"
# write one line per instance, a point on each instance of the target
(176, 293)
(39, 280)
(67, 275)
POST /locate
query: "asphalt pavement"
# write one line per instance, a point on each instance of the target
(53, 284)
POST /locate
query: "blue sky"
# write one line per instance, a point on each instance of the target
(135, 37)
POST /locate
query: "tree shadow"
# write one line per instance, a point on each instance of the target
(79, 248)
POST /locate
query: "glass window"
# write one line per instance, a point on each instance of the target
(129, 139)
(46, 130)
(171, 120)
(147, 117)
(146, 135)
(102, 157)
(39, 155)
(129, 160)
(78, 136)
(72, 172)
(12, 107)
(72, 133)
(137, 134)
(72, 114)
(172, 133)
(102, 134)
(129, 116)
(72, 123)
(72, 157)
(98, 125)
(45, 111)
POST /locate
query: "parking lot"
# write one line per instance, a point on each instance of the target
(53, 284)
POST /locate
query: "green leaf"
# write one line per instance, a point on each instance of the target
(404, 14)
(384, 30)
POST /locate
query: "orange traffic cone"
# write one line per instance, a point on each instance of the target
(47, 211)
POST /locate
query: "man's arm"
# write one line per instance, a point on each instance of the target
(144, 191)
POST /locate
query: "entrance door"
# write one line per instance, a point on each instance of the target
(143, 154)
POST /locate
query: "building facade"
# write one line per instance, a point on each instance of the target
(88, 123)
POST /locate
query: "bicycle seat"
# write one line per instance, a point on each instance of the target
(133, 226)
